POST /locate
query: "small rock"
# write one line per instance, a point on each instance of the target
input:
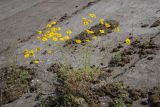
(155, 24)
(144, 25)
(150, 58)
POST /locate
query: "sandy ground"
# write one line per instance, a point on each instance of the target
(32, 16)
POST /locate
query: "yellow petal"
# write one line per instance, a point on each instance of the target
(69, 32)
(107, 25)
(54, 39)
(101, 21)
(78, 41)
(66, 37)
(101, 31)
(26, 55)
(92, 15)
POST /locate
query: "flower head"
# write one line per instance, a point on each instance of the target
(128, 41)
(78, 41)
(92, 15)
(44, 39)
(61, 39)
(66, 37)
(53, 23)
(94, 37)
(69, 32)
(101, 31)
(49, 26)
(89, 31)
(101, 20)
(54, 39)
(86, 21)
(36, 61)
(38, 49)
(107, 25)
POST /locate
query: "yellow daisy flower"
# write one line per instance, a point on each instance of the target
(94, 37)
(58, 29)
(89, 31)
(49, 26)
(128, 41)
(107, 25)
(61, 39)
(85, 23)
(92, 15)
(101, 31)
(59, 35)
(38, 49)
(53, 23)
(36, 61)
(44, 39)
(78, 41)
(101, 20)
(69, 32)
(26, 55)
(66, 37)
(31, 53)
(54, 39)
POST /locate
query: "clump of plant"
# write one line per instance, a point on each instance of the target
(76, 86)
(14, 81)
(116, 60)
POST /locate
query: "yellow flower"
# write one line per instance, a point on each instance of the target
(66, 37)
(44, 39)
(69, 32)
(54, 39)
(53, 23)
(26, 55)
(85, 23)
(107, 25)
(49, 52)
(39, 32)
(101, 31)
(92, 15)
(49, 26)
(88, 40)
(89, 31)
(117, 29)
(128, 41)
(53, 29)
(38, 49)
(36, 61)
(94, 37)
(58, 28)
(61, 39)
(78, 41)
(31, 53)
(59, 35)
(101, 20)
